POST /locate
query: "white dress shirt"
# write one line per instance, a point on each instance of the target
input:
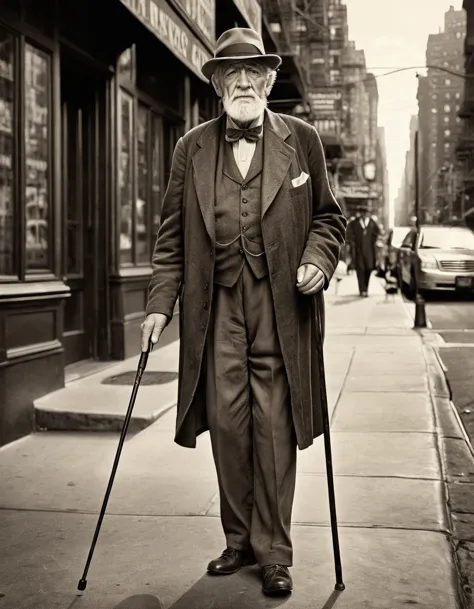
(242, 149)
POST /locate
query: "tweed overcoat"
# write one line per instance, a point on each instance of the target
(300, 224)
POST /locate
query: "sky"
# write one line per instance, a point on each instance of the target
(395, 34)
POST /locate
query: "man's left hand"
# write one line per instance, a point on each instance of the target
(309, 279)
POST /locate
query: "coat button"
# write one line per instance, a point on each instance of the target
(244, 201)
(206, 306)
(244, 186)
(241, 251)
(203, 327)
(206, 285)
(244, 214)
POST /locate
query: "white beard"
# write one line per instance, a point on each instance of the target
(244, 110)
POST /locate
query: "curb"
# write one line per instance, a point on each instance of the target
(450, 435)
(53, 420)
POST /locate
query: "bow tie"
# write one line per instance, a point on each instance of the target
(252, 134)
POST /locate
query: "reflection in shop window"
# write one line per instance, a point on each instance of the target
(7, 144)
(143, 134)
(126, 178)
(37, 95)
(156, 176)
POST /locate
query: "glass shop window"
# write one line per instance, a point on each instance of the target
(37, 162)
(7, 148)
(140, 173)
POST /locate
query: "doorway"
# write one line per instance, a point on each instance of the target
(84, 249)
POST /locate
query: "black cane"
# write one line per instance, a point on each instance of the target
(327, 444)
(141, 368)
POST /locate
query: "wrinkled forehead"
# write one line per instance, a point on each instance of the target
(244, 64)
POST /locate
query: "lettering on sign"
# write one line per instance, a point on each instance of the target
(202, 13)
(161, 20)
(251, 12)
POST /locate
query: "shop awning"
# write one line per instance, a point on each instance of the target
(251, 11)
(169, 28)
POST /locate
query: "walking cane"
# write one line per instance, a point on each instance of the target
(141, 368)
(327, 444)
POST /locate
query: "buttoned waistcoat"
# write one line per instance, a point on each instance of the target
(238, 208)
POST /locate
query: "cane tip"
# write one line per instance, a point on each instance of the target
(81, 586)
(340, 587)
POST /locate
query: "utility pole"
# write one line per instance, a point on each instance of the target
(420, 312)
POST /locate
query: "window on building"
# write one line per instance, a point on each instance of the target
(457, 94)
(126, 177)
(447, 132)
(37, 161)
(448, 95)
(140, 171)
(447, 108)
(447, 82)
(26, 214)
(434, 96)
(434, 111)
(446, 119)
(7, 150)
(458, 34)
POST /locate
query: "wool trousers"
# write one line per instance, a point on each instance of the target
(250, 420)
(364, 273)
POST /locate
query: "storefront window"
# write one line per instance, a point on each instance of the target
(126, 178)
(7, 144)
(37, 96)
(143, 190)
(156, 176)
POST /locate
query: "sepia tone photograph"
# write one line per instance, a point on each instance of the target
(236, 304)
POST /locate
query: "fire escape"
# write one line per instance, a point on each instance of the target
(280, 22)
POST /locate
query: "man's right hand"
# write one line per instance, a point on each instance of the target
(153, 326)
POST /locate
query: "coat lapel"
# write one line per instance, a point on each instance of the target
(204, 166)
(277, 157)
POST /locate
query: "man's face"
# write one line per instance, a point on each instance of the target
(243, 88)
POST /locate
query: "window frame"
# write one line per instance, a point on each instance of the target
(20, 272)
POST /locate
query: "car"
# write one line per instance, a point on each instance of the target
(443, 257)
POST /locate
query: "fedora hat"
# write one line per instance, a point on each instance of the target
(239, 43)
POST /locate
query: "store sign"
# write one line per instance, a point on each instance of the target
(353, 191)
(325, 102)
(203, 14)
(359, 191)
(252, 13)
(166, 25)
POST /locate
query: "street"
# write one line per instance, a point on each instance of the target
(452, 317)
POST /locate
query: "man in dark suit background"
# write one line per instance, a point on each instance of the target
(250, 237)
(362, 235)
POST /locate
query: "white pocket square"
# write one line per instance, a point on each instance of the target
(301, 179)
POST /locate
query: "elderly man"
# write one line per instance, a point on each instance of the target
(250, 235)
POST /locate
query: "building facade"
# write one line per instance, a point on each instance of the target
(382, 171)
(440, 100)
(405, 201)
(89, 120)
(465, 144)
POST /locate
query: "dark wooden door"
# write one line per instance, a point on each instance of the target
(80, 151)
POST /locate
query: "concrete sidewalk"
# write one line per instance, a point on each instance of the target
(162, 524)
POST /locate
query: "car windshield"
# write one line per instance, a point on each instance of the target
(447, 238)
(399, 233)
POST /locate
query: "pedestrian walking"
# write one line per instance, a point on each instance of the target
(362, 236)
(250, 236)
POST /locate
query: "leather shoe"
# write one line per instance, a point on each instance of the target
(276, 580)
(230, 561)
